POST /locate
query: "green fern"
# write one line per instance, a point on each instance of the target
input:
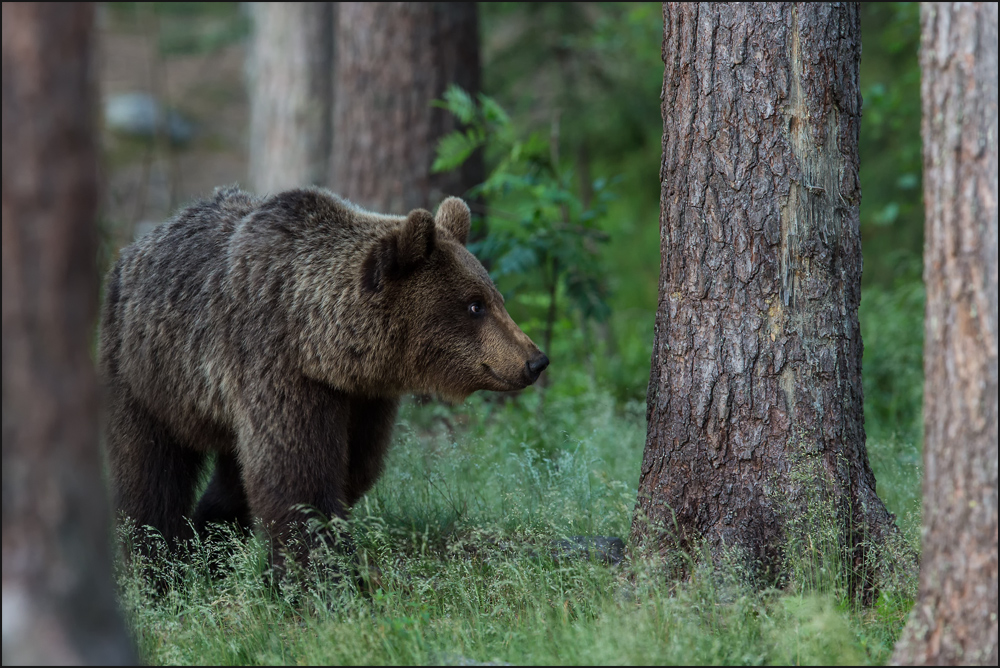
(455, 148)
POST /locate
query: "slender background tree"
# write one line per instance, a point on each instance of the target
(754, 406)
(393, 59)
(291, 89)
(954, 620)
(59, 602)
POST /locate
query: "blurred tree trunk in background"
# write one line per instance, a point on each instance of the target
(955, 618)
(58, 592)
(392, 60)
(754, 413)
(291, 73)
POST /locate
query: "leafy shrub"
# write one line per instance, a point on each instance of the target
(546, 244)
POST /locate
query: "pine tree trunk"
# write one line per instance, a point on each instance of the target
(393, 60)
(954, 620)
(58, 593)
(291, 72)
(755, 414)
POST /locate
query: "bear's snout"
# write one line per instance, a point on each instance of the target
(535, 366)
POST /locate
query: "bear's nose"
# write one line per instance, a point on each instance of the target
(536, 365)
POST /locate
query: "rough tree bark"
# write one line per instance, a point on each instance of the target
(954, 620)
(393, 59)
(291, 89)
(755, 400)
(58, 593)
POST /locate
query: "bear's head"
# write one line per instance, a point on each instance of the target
(458, 336)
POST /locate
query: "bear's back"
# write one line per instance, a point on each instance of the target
(166, 313)
(202, 306)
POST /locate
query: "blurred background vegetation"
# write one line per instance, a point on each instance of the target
(570, 120)
(578, 86)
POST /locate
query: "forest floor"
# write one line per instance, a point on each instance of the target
(468, 530)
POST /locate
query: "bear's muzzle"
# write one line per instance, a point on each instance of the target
(535, 366)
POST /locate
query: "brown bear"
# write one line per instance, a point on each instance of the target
(279, 334)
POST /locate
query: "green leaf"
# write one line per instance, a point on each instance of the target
(493, 113)
(455, 148)
(459, 103)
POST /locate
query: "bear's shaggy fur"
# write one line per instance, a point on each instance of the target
(279, 333)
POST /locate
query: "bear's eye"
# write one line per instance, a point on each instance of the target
(477, 309)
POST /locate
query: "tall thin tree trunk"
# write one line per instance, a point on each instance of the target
(58, 593)
(291, 89)
(755, 402)
(954, 620)
(393, 60)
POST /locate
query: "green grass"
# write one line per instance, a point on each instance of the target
(460, 527)
(892, 328)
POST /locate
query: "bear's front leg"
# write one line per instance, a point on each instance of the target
(293, 448)
(369, 436)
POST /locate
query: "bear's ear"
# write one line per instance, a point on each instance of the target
(454, 216)
(415, 240)
(401, 252)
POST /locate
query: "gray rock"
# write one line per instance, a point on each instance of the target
(140, 114)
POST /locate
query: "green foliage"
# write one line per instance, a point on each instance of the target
(588, 63)
(550, 227)
(542, 242)
(596, 69)
(892, 213)
(892, 328)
